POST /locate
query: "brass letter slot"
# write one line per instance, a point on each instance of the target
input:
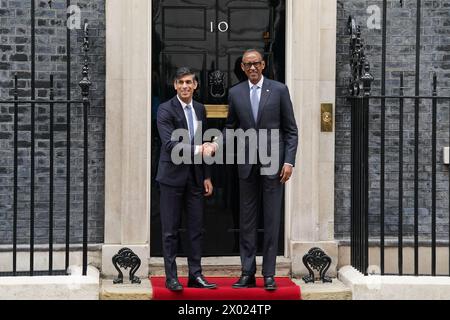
(326, 117)
(216, 111)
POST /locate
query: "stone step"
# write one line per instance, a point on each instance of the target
(219, 266)
(324, 291)
(311, 291)
(126, 291)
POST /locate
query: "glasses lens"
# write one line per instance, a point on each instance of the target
(248, 65)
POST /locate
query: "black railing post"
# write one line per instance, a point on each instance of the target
(400, 177)
(360, 87)
(85, 85)
(51, 178)
(16, 131)
(32, 152)
(416, 141)
(433, 177)
(367, 80)
(68, 140)
(383, 139)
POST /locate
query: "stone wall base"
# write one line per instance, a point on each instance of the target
(71, 287)
(375, 287)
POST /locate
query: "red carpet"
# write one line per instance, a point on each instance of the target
(287, 290)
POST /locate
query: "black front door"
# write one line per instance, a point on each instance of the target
(210, 37)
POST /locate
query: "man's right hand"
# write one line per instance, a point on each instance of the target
(208, 149)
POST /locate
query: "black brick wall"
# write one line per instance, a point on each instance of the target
(435, 57)
(15, 49)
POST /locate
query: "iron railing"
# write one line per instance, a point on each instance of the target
(32, 104)
(362, 237)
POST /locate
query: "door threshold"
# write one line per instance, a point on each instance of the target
(219, 266)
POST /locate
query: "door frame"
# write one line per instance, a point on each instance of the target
(288, 82)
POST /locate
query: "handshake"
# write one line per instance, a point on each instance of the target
(208, 149)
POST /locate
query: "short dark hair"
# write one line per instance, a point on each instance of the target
(184, 71)
(253, 50)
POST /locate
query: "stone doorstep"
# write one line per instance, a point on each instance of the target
(219, 266)
(324, 291)
(311, 291)
(216, 266)
(126, 291)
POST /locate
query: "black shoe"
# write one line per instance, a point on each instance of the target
(200, 282)
(173, 285)
(269, 283)
(245, 282)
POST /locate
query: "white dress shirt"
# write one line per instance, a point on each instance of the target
(259, 85)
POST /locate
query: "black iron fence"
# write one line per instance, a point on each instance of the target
(30, 106)
(409, 167)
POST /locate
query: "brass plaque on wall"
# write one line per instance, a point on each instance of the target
(216, 111)
(326, 117)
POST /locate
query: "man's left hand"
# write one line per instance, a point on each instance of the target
(286, 173)
(208, 187)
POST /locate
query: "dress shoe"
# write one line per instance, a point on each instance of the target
(269, 283)
(200, 282)
(173, 285)
(245, 282)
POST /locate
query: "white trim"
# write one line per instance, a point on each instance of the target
(289, 82)
(149, 131)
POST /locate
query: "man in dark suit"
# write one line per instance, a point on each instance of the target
(183, 185)
(257, 104)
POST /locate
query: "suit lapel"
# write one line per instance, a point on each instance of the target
(200, 116)
(179, 111)
(265, 94)
(198, 111)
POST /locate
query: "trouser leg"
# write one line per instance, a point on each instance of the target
(272, 202)
(249, 195)
(171, 201)
(194, 204)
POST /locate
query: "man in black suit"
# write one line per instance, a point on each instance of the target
(184, 184)
(261, 104)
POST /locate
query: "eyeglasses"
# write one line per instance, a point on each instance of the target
(248, 65)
